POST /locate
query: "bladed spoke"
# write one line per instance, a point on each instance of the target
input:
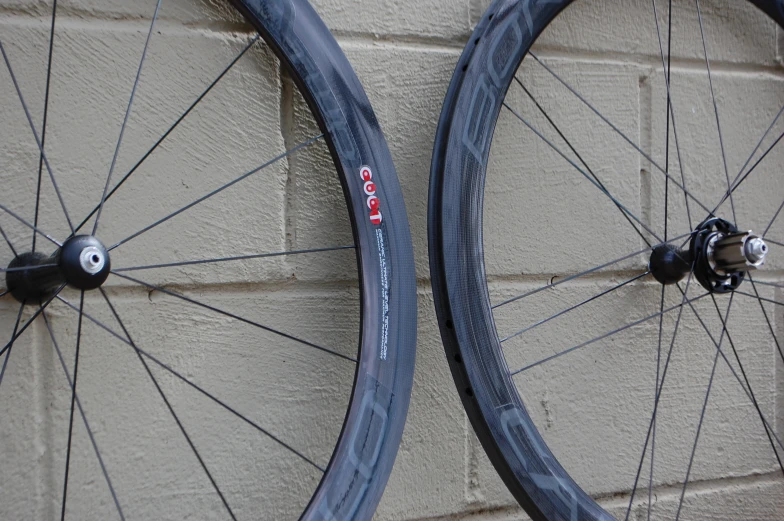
(35, 134)
(169, 407)
(168, 131)
(218, 190)
(125, 119)
(73, 402)
(236, 317)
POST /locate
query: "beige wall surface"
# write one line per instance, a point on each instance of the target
(542, 221)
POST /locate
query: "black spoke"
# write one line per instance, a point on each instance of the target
(582, 274)
(8, 241)
(658, 393)
(169, 131)
(236, 317)
(35, 229)
(670, 117)
(716, 110)
(575, 165)
(218, 190)
(197, 387)
(35, 134)
(748, 384)
(655, 394)
(765, 283)
(606, 335)
(30, 321)
(759, 298)
(748, 172)
(775, 216)
(43, 124)
(82, 414)
(241, 257)
(702, 412)
(127, 115)
(13, 339)
(765, 314)
(748, 390)
(572, 308)
(619, 132)
(27, 268)
(73, 402)
(169, 406)
(579, 157)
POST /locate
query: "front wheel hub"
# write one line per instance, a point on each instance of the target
(719, 255)
(82, 262)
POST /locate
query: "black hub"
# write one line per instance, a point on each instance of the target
(82, 263)
(719, 254)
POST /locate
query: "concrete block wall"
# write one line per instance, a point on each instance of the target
(592, 407)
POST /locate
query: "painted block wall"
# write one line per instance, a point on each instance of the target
(538, 213)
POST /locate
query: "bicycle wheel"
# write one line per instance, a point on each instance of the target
(583, 206)
(210, 301)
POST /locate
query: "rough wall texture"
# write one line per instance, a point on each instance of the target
(404, 53)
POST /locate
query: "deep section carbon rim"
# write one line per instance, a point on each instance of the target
(608, 317)
(209, 292)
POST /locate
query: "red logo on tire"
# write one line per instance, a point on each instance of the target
(370, 191)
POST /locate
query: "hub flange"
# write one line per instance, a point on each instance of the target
(719, 255)
(82, 262)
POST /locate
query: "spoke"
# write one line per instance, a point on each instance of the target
(3, 293)
(82, 414)
(73, 402)
(198, 388)
(764, 283)
(606, 335)
(619, 132)
(35, 134)
(30, 321)
(770, 241)
(27, 268)
(759, 298)
(43, 124)
(667, 70)
(748, 391)
(579, 157)
(13, 339)
(716, 110)
(593, 182)
(605, 292)
(169, 131)
(759, 144)
(35, 230)
(220, 189)
(125, 119)
(8, 241)
(767, 319)
(655, 394)
(236, 317)
(767, 229)
(704, 408)
(583, 273)
(750, 170)
(169, 406)
(748, 384)
(669, 112)
(241, 257)
(658, 394)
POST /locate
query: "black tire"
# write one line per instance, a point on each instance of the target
(497, 413)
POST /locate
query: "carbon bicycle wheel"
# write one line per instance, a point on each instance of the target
(209, 306)
(612, 325)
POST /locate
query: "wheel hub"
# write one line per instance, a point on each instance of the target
(719, 255)
(82, 262)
